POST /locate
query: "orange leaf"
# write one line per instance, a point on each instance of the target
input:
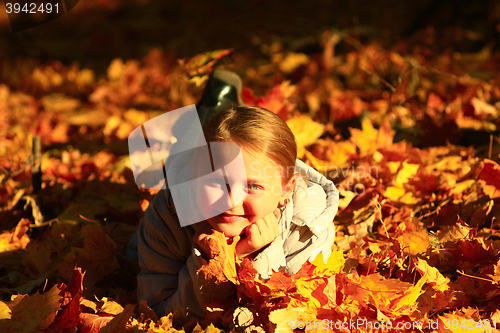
(434, 277)
(393, 297)
(31, 313)
(415, 242)
(369, 139)
(15, 239)
(223, 265)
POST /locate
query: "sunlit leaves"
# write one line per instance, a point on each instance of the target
(417, 228)
(32, 312)
(306, 132)
(223, 267)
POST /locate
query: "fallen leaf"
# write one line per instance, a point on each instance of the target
(31, 313)
(434, 278)
(223, 265)
(306, 132)
(369, 139)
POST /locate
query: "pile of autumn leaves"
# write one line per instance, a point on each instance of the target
(417, 240)
(396, 269)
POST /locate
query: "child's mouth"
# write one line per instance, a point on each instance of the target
(229, 218)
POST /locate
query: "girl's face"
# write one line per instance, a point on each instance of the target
(264, 184)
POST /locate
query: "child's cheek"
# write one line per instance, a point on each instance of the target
(213, 201)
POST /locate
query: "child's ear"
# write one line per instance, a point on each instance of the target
(288, 190)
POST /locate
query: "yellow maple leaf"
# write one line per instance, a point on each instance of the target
(306, 131)
(305, 287)
(391, 296)
(369, 139)
(398, 192)
(394, 193)
(408, 170)
(335, 264)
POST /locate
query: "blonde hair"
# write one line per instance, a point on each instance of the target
(256, 129)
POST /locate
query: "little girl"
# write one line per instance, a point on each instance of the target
(283, 221)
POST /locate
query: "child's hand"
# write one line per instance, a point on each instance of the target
(200, 239)
(259, 234)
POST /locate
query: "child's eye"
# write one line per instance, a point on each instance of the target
(253, 187)
(216, 182)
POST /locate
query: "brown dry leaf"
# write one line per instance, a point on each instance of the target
(31, 313)
(97, 258)
(38, 259)
(98, 245)
(458, 231)
(223, 265)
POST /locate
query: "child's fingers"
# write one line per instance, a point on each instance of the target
(254, 230)
(277, 213)
(202, 229)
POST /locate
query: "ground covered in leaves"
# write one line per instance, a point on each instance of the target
(408, 132)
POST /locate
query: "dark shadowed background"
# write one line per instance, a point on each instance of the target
(97, 31)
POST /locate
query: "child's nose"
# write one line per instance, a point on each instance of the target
(238, 203)
(236, 197)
